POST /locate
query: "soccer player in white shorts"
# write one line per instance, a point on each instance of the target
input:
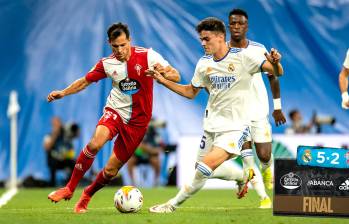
(343, 82)
(260, 126)
(226, 74)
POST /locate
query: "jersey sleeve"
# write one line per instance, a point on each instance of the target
(96, 73)
(198, 79)
(154, 58)
(263, 51)
(346, 60)
(253, 62)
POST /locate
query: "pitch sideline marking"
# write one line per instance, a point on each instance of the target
(6, 197)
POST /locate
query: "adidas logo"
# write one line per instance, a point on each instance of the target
(78, 166)
(344, 186)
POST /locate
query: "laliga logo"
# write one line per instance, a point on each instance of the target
(290, 181)
(306, 156)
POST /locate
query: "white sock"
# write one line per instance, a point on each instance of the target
(258, 185)
(202, 173)
(247, 161)
(268, 164)
(227, 171)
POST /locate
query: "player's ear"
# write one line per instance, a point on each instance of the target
(222, 35)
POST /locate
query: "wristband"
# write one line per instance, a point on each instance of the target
(277, 104)
(345, 97)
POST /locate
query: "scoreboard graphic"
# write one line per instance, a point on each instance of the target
(310, 190)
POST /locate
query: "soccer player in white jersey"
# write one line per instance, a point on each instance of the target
(343, 82)
(227, 74)
(260, 126)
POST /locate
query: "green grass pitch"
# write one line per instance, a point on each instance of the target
(206, 207)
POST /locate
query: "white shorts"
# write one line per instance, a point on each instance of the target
(261, 131)
(230, 141)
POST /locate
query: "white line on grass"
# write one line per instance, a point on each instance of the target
(6, 197)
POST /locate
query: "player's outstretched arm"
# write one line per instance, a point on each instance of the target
(75, 87)
(273, 65)
(343, 86)
(278, 115)
(188, 91)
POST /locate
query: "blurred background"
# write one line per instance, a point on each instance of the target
(47, 44)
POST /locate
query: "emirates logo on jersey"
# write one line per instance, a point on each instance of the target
(138, 68)
(129, 86)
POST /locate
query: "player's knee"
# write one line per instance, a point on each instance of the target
(264, 156)
(263, 151)
(247, 145)
(110, 172)
(95, 145)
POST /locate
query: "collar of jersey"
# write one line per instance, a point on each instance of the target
(248, 43)
(221, 58)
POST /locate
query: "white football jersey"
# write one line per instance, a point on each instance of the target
(346, 60)
(258, 94)
(228, 81)
(259, 108)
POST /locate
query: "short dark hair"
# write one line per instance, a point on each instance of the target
(116, 29)
(293, 113)
(238, 12)
(211, 24)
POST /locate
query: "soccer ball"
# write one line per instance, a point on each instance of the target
(128, 199)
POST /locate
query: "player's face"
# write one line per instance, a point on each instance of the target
(121, 47)
(211, 41)
(238, 26)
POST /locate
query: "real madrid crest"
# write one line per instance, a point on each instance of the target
(231, 67)
(306, 156)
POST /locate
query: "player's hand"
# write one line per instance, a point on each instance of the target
(155, 75)
(273, 57)
(158, 67)
(55, 95)
(345, 104)
(162, 70)
(279, 117)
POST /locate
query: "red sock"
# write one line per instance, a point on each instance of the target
(100, 181)
(83, 163)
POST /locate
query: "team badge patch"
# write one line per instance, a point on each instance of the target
(347, 157)
(231, 67)
(138, 68)
(307, 156)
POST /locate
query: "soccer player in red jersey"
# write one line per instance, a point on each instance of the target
(126, 114)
